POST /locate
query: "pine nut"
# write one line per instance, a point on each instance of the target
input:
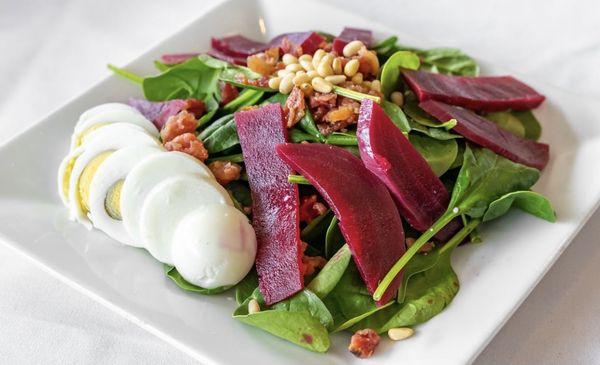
(283, 73)
(301, 78)
(352, 48)
(317, 57)
(328, 59)
(289, 59)
(336, 79)
(371, 57)
(305, 57)
(351, 68)
(312, 74)
(306, 88)
(324, 69)
(287, 84)
(357, 78)
(307, 64)
(337, 66)
(401, 333)
(366, 84)
(253, 306)
(294, 67)
(397, 98)
(322, 86)
(376, 85)
(274, 82)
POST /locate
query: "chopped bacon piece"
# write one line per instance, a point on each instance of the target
(363, 343)
(195, 106)
(319, 99)
(178, 124)
(310, 264)
(343, 113)
(310, 208)
(190, 144)
(294, 107)
(228, 92)
(225, 171)
(265, 62)
(262, 82)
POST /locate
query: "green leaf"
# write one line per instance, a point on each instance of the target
(390, 71)
(278, 98)
(245, 98)
(237, 157)
(385, 44)
(507, 121)
(352, 94)
(396, 115)
(307, 123)
(448, 61)
(296, 136)
(333, 238)
(223, 138)
(411, 108)
(160, 66)
(174, 275)
(245, 288)
(231, 73)
(211, 128)
(314, 232)
(435, 133)
(528, 201)
(533, 129)
(241, 192)
(213, 62)
(342, 138)
(126, 74)
(439, 154)
(330, 275)
(302, 319)
(419, 263)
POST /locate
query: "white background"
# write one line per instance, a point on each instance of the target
(50, 51)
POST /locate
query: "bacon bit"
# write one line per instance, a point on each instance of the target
(242, 79)
(310, 208)
(363, 343)
(228, 92)
(181, 123)
(294, 107)
(343, 113)
(264, 63)
(319, 99)
(190, 144)
(195, 106)
(310, 264)
(225, 171)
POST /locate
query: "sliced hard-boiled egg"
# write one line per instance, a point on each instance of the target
(170, 201)
(214, 246)
(106, 107)
(145, 176)
(85, 127)
(103, 207)
(109, 138)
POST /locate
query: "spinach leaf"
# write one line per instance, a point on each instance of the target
(174, 275)
(214, 126)
(396, 115)
(342, 138)
(231, 74)
(390, 72)
(238, 157)
(528, 201)
(241, 192)
(419, 263)
(533, 129)
(458, 161)
(213, 62)
(439, 154)
(507, 121)
(297, 136)
(160, 66)
(333, 238)
(417, 114)
(245, 98)
(435, 133)
(307, 123)
(278, 98)
(314, 232)
(302, 319)
(223, 138)
(385, 45)
(245, 288)
(448, 61)
(330, 275)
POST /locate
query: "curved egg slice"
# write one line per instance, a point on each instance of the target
(106, 107)
(145, 176)
(85, 127)
(214, 246)
(104, 211)
(109, 138)
(170, 201)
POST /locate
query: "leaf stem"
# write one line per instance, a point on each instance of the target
(355, 94)
(126, 74)
(420, 242)
(460, 236)
(298, 179)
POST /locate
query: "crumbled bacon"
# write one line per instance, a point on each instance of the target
(310, 264)
(294, 107)
(264, 63)
(228, 92)
(310, 208)
(195, 106)
(320, 104)
(178, 124)
(225, 171)
(188, 143)
(343, 113)
(242, 79)
(363, 343)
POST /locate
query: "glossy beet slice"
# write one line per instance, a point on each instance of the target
(420, 195)
(488, 134)
(274, 203)
(369, 220)
(477, 93)
(288, 42)
(350, 34)
(237, 46)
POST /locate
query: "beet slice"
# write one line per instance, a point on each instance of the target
(490, 93)
(274, 203)
(368, 218)
(237, 46)
(176, 58)
(420, 195)
(159, 111)
(237, 60)
(488, 134)
(308, 41)
(350, 34)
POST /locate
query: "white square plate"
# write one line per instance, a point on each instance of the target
(495, 276)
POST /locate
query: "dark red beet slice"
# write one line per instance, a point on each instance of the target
(176, 58)
(420, 195)
(274, 203)
(237, 60)
(368, 217)
(308, 41)
(350, 34)
(490, 93)
(159, 112)
(237, 46)
(487, 134)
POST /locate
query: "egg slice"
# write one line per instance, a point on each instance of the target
(106, 107)
(102, 118)
(214, 246)
(170, 201)
(109, 138)
(103, 207)
(145, 176)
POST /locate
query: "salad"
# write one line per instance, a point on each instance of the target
(325, 180)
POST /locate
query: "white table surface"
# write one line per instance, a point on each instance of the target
(50, 51)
